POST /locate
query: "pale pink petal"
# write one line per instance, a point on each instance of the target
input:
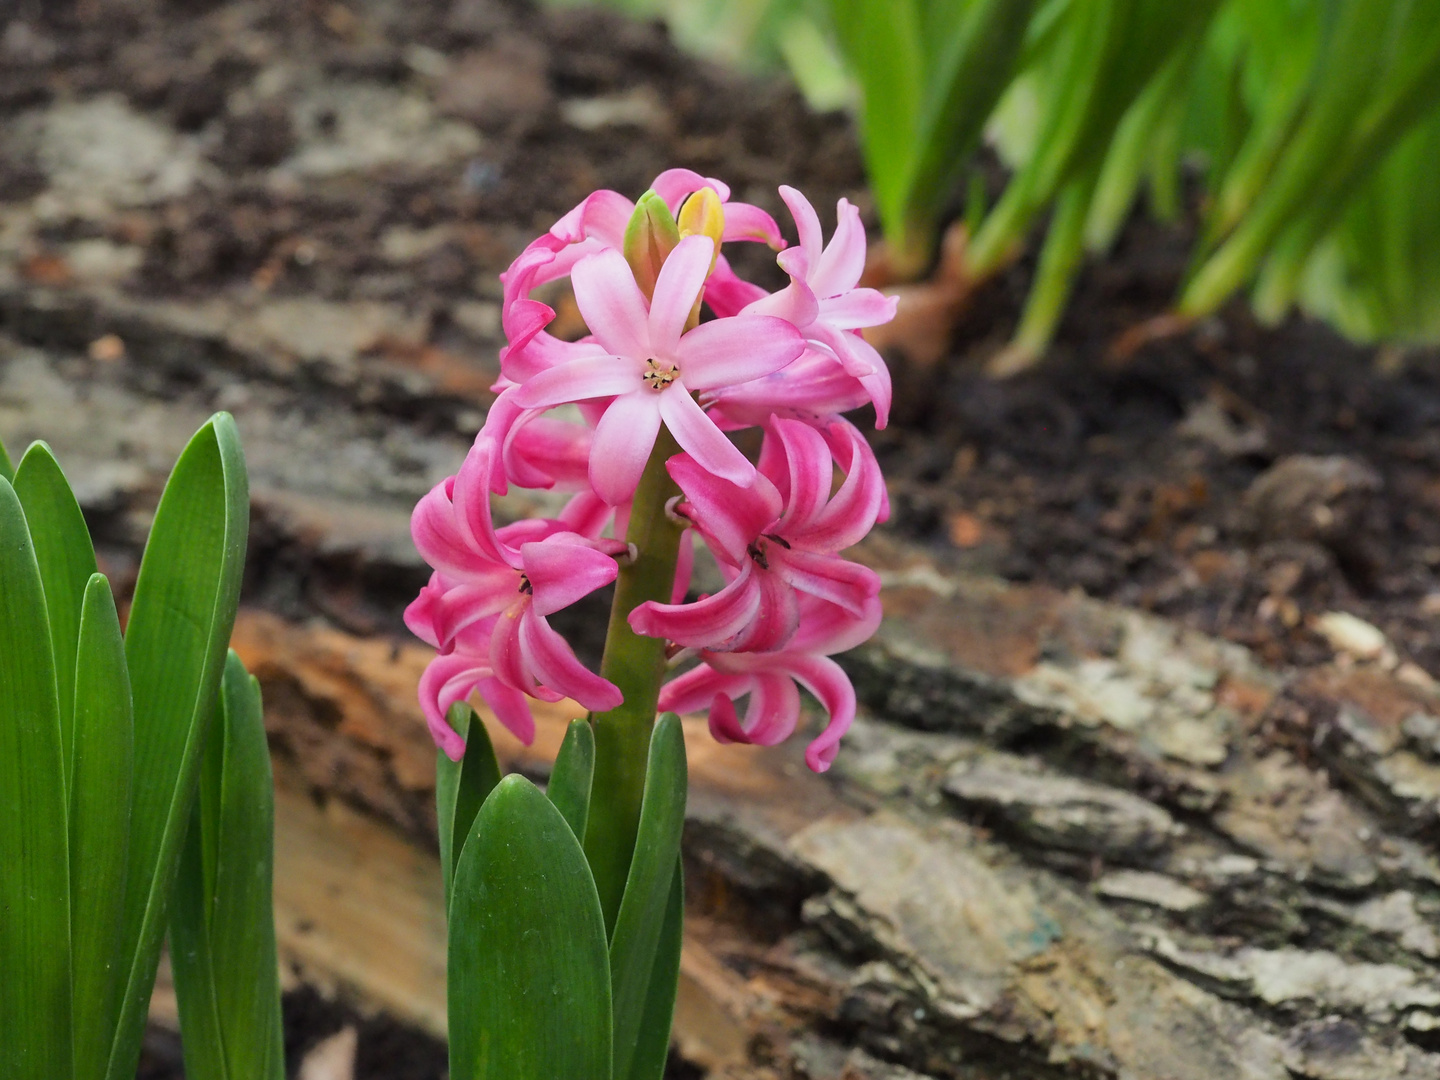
(541, 451)
(553, 662)
(561, 572)
(469, 602)
(471, 498)
(436, 536)
(729, 516)
(807, 222)
(697, 435)
(831, 687)
(580, 380)
(795, 303)
(810, 472)
(673, 185)
(860, 359)
(511, 708)
(603, 216)
(587, 514)
(612, 304)
(857, 308)
(622, 444)
(729, 351)
(843, 262)
(507, 660)
(705, 623)
(829, 577)
(746, 222)
(676, 290)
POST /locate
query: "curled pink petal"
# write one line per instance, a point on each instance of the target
(700, 438)
(746, 222)
(673, 185)
(561, 571)
(843, 261)
(548, 655)
(705, 623)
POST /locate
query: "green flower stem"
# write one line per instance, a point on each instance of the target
(636, 665)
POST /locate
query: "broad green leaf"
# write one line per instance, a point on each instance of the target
(222, 928)
(180, 623)
(652, 1048)
(34, 850)
(529, 978)
(638, 927)
(62, 547)
(574, 772)
(7, 471)
(99, 826)
(461, 787)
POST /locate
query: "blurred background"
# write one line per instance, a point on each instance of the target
(1170, 300)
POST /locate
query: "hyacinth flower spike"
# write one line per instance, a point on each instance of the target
(772, 546)
(651, 365)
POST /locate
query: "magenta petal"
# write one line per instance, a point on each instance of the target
(622, 444)
(775, 620)
(699, 437)
(612, 304)
(690, 690)
(725, 726)
(446, 680)
(587, 514)
(729, 351)
(511, 708)
(843, 262)
(831, 578)
(436, 536)
(746, 222)
(553, 662)
(773, 709)
(851, 514)
(810, 472)
(824, 678)
(827, 628)
(676, 290)
(705, 623)
(507, 662)
(807, 222)
(726, 293)
(730, 516)
(471, 496)
(561, 572)
(580, 380)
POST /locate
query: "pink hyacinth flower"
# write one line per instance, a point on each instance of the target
(769, 678)
(823, 300)
(772, 546)
(649, 366)
(519, 575)
(453, 676)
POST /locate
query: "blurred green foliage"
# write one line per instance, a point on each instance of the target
(1310, 128)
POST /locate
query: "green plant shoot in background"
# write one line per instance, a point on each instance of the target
(105, 740)
(1309, 126)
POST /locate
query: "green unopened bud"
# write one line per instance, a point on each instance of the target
(649, 238)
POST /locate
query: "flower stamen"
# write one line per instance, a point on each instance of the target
(657, 377)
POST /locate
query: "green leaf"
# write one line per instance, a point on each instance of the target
(574, 772)
(99, 826)
(180, 623)
(652, 1048)
(7, 471)
(461, 787)
(62, 547)
(529, 978)
(35, 1013)
(222, 930)
(636, 942)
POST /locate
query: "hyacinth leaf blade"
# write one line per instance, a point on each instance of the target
(100, 797)
(529, 973)
(461, 788)
(652, 1047)
(635, 944)
(175, 644)
(7, 470)
(222, 927)
(573, 776)
(35, 1012)
(67, 560)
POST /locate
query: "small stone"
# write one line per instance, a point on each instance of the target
(1352, 635)
(1144, 887)
(107, 349)
(1322, 499)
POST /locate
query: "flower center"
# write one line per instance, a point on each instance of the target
(757, 550)
(657, 377)
(525, 586)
